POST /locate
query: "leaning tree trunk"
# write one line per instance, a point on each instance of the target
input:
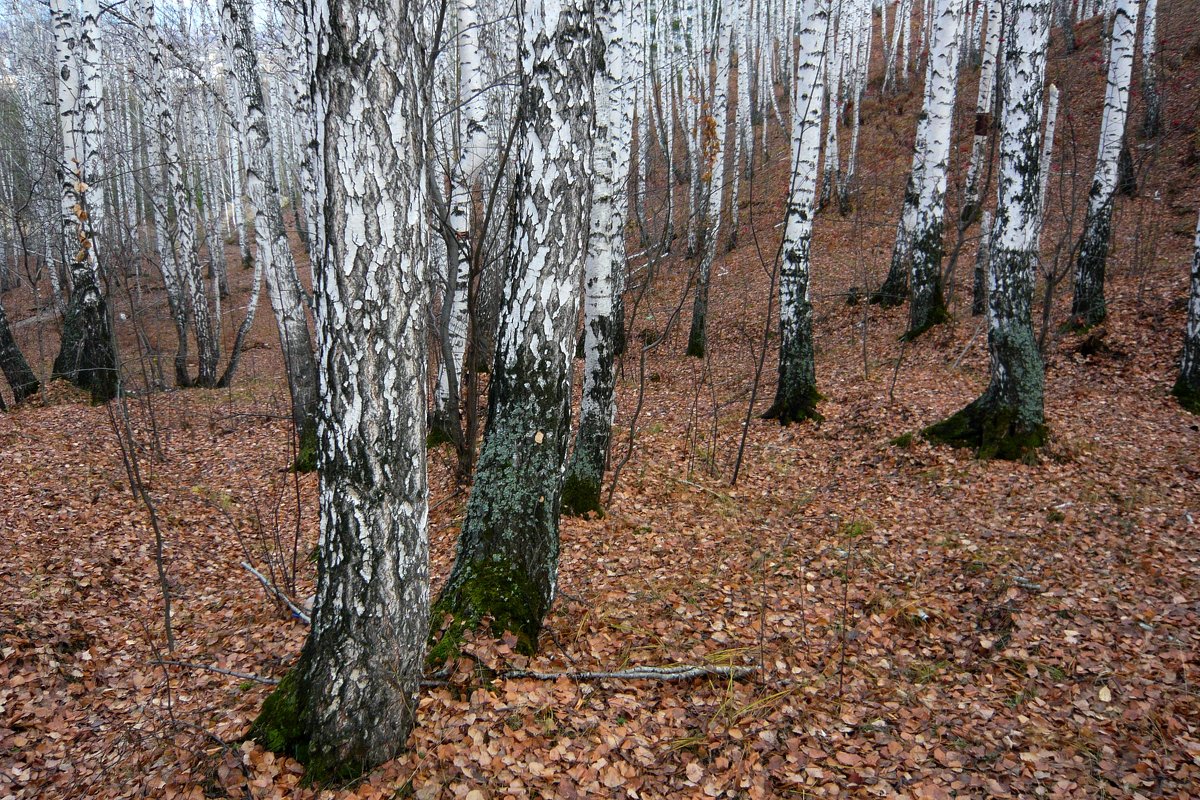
(796, 395)
(1187, 386)
(13, 364)
(1088, 306)
(927, 305)
(614, 84)
(279, 268)
(86, 355)
(350, 701)
(1007, 421)
(506, 568)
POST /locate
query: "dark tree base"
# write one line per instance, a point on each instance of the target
(1187, 395)
(495, 593)
(281, 728)
(888, 296)
(937, 315)
(581, 494)
(797, 407)
(990, 429)
(306, 450)
(695, 346)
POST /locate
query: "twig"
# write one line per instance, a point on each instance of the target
(682, 672)
(307, 620)
(231, 673)
(967, 349)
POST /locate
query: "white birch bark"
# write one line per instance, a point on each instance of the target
(1044, 164)
(507, 561)
(1007, 421)
(927, 306)
(984, 103)
(1152, 121)
(796, 395)
(1088, 306)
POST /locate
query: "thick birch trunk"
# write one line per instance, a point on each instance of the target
(506, 568)
(1088, 306)
(1007, 421)
(796, 395)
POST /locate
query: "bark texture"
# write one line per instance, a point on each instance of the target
(1187, 386)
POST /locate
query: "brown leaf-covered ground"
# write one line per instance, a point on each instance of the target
(921, 624)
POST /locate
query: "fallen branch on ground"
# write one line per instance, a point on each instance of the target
(682, 672)
(270, 588)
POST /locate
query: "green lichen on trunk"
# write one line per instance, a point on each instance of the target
(581, 492)
(306, 449)
(494, 592)
(927, 302)
(1187, 394)
(86, 357)
(795, 404)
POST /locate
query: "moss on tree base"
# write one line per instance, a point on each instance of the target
(1187, 395)
(991, 430)
(937, 315)
(581, 494)
(799, 407)
(306, 449)
(494, 592)
(281, 728)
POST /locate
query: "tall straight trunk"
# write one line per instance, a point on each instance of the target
(279, 268)
(796, 395)
(1152, 121)
(832, 75)
(237, 191)
(927, 306)
(506, 568)
(181, 226)
(1187, 385)
(743, 129)
(617, 26)
(351, 700)
(16, 369)
(984, 104)
(86, 356)
(1008, 421)
(1044, 164)
(982, 256)
(1088, 306)
(714, 187)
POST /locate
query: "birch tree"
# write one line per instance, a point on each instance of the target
(86, 356)
(16, 369)
(618, 32)
(1187, 385)
(1007, 420)
(1152, 121)
(927, 305)
(506, 567)
(796, 395)
(1088, 307)
(350, 701)
(279, 268)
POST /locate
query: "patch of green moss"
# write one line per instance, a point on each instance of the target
(937, 315)
(581, 494)
(992, 431)
(1187, 395)
(437, 436)
(496, 592)
(306, 449)
(904, 440)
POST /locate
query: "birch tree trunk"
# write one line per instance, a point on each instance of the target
(713, 155)
(506, 567)
(1187, 386)
(86, 357)
(16, 369)
(1007, 421)
(616, 26)
(927, 306)
(279, 268)
(1152, 121)
(1088, 307)
(984, 104)
(796, 395)
(350, 702)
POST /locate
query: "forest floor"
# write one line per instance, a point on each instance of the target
(919, 623)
